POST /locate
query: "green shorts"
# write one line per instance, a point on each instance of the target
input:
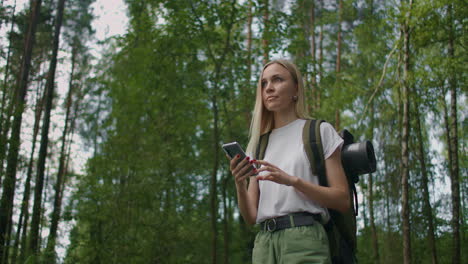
(304, 244)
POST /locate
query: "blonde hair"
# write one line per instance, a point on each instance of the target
(262, 119)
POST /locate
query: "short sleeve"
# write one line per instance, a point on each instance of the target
(330, 139)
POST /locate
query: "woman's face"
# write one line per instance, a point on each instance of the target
(278, 88)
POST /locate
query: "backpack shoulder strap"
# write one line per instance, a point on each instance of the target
(314, 149)
(261, 146)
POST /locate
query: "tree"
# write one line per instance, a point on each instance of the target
(6, 203)
(77, 24)
(454, 169)
(405, 209)
(266, 28)
(50, 85)
(427, 209)
(338, 59)
(24, 214)
(5, 113)
(375, 246)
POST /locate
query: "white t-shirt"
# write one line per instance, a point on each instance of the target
(286, 151)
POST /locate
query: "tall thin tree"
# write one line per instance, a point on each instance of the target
(454, 169)
(59, 184)
(320, 56)
(6, 203)
(266, 35)
(427, 209)
(24, 213)
(370, 185)
(5, 113)
(313, 75)
(50, 85)
(338, 59)
(405, 208)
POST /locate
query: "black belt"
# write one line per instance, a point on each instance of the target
(290, 220)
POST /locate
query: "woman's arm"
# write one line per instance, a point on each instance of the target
(247, 194)
(335, 196)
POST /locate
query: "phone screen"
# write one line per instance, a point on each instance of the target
(232, 149)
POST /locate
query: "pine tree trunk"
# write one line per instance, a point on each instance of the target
(313, 48)
(35, 222)
(338, 42)
(42, 216)
(6, 94)
(405, 209)
(51, 241)
(24, 214)
(6, 203)
(320, 58)
(338, 60)
(427, 210)
(247, 94)
(249, 41)
(266, 35)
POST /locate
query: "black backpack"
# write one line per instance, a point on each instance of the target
(341, 228)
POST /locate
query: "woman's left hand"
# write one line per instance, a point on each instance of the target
(275, 174)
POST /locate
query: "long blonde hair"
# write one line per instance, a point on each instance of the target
(262, 119)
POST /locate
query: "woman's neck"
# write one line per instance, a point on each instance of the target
(283, 118)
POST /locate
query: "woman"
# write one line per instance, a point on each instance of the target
(285, 198)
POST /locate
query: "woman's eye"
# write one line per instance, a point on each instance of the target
(278, 79)
(263, 84)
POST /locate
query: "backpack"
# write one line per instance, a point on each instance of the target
(341, 228)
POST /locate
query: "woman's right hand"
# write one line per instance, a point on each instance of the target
(241, 170)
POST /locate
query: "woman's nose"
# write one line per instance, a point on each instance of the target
(269, 87)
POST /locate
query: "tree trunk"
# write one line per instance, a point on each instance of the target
(387, 194)
(24, 214)
(6, 203)
(35, 222)
(226, 221)
(51, 241)
(6, 93)
(405, 209)
(338, 42)
(313, 76)
(454, 169)
(218, 62)
(266, 34)
(249, 42)
(320, 58)
(370, 184)
(427, 210)
(42, 217)
(364, 211)
(213, 191)
(338, 60)
(247, 93)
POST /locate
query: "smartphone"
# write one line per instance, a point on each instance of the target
(232, 149)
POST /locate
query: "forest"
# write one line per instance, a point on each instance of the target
(149, 115)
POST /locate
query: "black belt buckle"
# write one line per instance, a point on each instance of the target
(271, 225)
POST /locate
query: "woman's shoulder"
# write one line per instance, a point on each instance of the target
(326, 127)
